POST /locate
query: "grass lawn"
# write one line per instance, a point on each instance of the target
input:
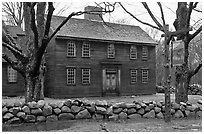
(154, 97)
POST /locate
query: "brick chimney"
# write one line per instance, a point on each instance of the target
(93, 17)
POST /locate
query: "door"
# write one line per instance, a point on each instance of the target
(111, 83)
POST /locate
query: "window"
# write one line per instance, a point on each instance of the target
(12, 74)
(111, 51)
(133, 75)
(144, 52)
(71, 76)
(85, 76)
(71, 49)
(145, 75)
(133, 52)
(86, 50)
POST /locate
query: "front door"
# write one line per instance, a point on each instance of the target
(111, 83)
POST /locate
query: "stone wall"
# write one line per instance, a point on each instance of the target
(77, 109)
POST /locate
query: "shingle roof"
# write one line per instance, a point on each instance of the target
(83, 28)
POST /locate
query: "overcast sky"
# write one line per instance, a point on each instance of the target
(134, 7)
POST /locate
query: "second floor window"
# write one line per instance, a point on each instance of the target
(111, 51)
(12, 74)
(133, 75)
(71, 76)
(145, 75)
(86, 76)
(71, 49)
(144, 52)
(86, 50)
(133, 52)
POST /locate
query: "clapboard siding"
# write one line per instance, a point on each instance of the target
(59, 62)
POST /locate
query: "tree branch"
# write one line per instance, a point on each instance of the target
(152, 16)
(139, 19)
(195, 71)
(162, 13)
(33, 24)
(189, 14)
(195, 33)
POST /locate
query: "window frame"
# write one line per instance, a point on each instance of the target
(144, 52)
(111, 51)
(12, 75)
(133, 77)
(133, 52)
(85, 76)
(71, 49)
(145, 78)
(73, 76)
(84, 51)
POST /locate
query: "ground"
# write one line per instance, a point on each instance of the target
(139, 125)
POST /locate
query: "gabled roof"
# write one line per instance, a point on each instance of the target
(82, 28)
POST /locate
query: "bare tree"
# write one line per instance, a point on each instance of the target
(30, 63)
(13, 13)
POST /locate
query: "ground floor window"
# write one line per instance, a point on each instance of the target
(12, 74)
(71, 76)
(86, 75)
(133, 75)
(145, 75)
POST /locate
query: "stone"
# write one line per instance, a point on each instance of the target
(151, 106)
(16, 110)
(159, 104)
(125, 110)
(60, 104)
(9, 105)
(113, 117)
(41, 119)
(121, 105)
(200, 102)
(147, 109)
(41, 103)
(98, 116)
(4, 110)
(68, 103)
(100, 110)
(53, 105)
(199, 114)
(131, 111)
(17, 104)
(138, 106)
(157, 109)
(130, 105)
(57, 111)
(134, 116)
(178, 114)
(143, 105)
(101, 103)
(75, 109)
(150, 114)
(21, 115)
(33, 104)
(26, 109)
(47, 110)
(160, 115)
(83, 115)
(30, 118)
(182, 108)
(36, 111)
(7, 116)
(141, 111)
(183, 103)
(175, 106)
(65, 109)
(122, 115)
(192, 107)
(173, 111)
(3, 104)
(117, 110)
(109, 111)
(11, 110)
(187, 113)
(77, 102)
(14, 120)
(51, 118)
(66, 116)
(91, 108)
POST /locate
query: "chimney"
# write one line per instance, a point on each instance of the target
(93, 17)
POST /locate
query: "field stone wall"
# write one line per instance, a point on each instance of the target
(77, 109)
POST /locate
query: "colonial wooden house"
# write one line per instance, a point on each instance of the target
(88, 57)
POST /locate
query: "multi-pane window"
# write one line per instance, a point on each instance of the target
(71, 72)
(133, 52)
(86, 50)
(144, 52)
(12, 74)
(145, 75)
(86, 76)
(111, 51)
(133, 75)
(71, 49)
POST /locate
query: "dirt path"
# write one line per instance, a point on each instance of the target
(140, 125)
